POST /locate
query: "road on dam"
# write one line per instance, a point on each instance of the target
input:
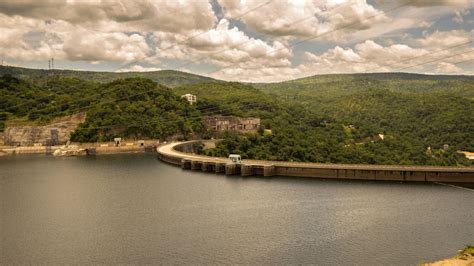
(174, 153)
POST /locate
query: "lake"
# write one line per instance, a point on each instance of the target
(132, 208)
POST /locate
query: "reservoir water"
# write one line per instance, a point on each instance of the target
(135, 209)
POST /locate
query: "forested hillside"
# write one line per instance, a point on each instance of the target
(134, 107)
(339, 119)
(372, 125)
(326, 87)
(167, 78)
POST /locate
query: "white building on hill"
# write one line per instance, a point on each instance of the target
(190, 98)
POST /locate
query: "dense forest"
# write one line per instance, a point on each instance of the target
(133, 107)
(376, 119)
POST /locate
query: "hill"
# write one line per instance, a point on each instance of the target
(169, 78)
(326, 87)
(377, 119)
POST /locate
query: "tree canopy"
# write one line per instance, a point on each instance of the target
(338, 119)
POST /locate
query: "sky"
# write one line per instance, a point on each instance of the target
(241, 40)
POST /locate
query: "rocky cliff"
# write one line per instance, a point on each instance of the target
(55, 133)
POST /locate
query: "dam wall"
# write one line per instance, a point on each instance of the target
(412, 174)
(180, 154)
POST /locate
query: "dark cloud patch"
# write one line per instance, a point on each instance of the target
(429, 3)
(142, 15)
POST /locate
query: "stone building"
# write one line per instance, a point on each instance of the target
(232, 123)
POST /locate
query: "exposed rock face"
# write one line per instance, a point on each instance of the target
(55, 133)
(71, 150)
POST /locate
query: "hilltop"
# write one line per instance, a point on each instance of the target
(335, 85)
(173, 78)
(169, 78)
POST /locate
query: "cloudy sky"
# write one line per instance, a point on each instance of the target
(244, 40)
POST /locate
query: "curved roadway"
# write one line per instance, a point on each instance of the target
(169, 149)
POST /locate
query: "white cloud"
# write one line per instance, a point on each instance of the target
(429, 3)
(303, 19)
(138, 68)
(447, 68)
(370, 56)
(223, 46)
(89, 45)
(137, 15)
(446, 38)
(260, 74)
(459, 15)
(16, 40)
(188, 33)
(27, 39)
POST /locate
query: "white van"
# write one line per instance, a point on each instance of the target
(235, 158)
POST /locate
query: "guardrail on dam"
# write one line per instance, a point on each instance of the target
(178, 153)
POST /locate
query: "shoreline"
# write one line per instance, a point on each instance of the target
(89, 148)
(465, 257)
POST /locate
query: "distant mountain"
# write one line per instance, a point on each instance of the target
(172, 78)
(324, 87)
(381, 76)
(169, 78)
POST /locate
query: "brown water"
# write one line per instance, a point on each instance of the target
(135, 209)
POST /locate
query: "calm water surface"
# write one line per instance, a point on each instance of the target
(135, 209)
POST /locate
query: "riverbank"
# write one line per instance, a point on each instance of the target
(464, 258)
(90, 148)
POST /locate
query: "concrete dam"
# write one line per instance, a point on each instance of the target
(180, 154)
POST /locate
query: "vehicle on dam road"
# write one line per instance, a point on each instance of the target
(235, 158)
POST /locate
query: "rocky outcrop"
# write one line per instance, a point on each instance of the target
(70, 150)
(55, 133)
(464, 258)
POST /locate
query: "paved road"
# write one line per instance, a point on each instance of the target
(169, 150)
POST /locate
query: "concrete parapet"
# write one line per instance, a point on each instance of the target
(306, 172)
(365, 174)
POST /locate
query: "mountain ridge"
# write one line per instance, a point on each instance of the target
(170, 77)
